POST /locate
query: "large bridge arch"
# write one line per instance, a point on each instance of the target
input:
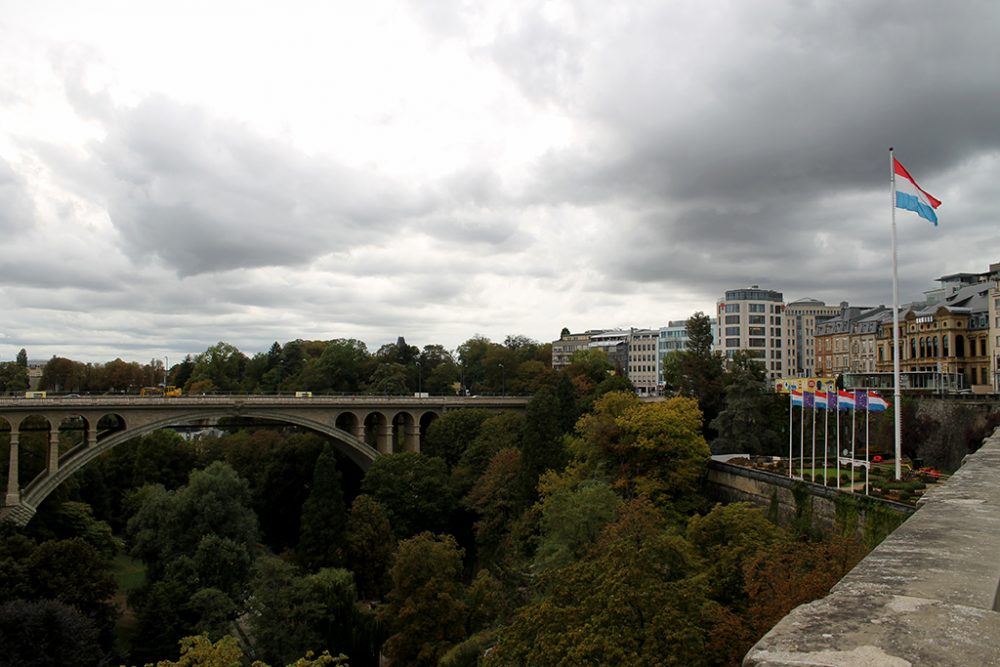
(362, 427)
(77, 458)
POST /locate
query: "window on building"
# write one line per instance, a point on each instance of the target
(758, 319)
(732, 319)
(758, 308)
(732, 342)
(758, 342)
(732, 307)
(732, 331)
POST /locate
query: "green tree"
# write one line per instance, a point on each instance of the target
(293, 614)
(22, 358)
(499, 431)
(13, 377)
(572, 519)
(166, 525)
(451, 434)
(221, 366)
(370, 545)
(727, 538)
(697, 371)
(497, 500)
(324, 516)
(425, 611)
(413, 489)
(634, 601)
(542, 447)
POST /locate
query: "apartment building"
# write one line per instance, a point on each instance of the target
(752, 319)
(642, 360)
(801, 318)
(949, 336)
(568, 343)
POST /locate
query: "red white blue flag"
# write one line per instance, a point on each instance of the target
(911, 196)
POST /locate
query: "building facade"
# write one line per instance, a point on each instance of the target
(752, 319)
(642, 361)
(801, 318)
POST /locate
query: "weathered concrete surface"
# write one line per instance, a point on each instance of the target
(926, 596)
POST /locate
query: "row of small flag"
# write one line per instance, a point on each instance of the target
(839, 400)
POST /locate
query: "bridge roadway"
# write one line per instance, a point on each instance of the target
(362, 427)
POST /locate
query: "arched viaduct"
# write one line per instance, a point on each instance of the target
(362, 427)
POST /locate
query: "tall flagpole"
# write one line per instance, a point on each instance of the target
(854, 414)
(895, 321)
(838, 438)
(802, 437)
(812, 475)
(868, 458)
(826, 437)
(791, 409)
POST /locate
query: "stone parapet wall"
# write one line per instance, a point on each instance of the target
(927, 595)
(774, 493)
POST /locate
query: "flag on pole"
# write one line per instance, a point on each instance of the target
(808, 400)
(845, 399)
(876, 403)
(831, 399)
(821, 400)
(796, 397)
(911, 196)
(860, 400)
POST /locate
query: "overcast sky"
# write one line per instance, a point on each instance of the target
(173, 174)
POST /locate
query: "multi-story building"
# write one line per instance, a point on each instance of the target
(568, 343)
(846, 341)
(801, 318)
(642, 355)
(752, 319)
(993, 310)
(948, 337)
(614, 343)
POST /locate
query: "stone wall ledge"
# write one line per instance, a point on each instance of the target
(926, 596)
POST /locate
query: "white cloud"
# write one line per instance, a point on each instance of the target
(177, 174)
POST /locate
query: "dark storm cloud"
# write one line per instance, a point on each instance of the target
(739, 126)
(205, 194)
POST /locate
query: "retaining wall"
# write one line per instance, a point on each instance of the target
(927, 595)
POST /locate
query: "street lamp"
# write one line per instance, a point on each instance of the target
(503, 380)
(419, 379)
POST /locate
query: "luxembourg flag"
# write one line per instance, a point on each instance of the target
(845, 400)
(911, 196)
(876, 403)
(796, 397)
(821, 400)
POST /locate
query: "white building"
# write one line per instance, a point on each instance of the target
(752, 319)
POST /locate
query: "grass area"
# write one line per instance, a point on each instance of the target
(130, 574)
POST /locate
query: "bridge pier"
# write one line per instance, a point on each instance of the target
(92, 434)
(53, 450)
(385, 438)
(13, 496)
(412, 438)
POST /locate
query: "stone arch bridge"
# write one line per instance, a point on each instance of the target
(362, 427)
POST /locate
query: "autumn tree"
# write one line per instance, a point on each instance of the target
(425, 611)
(633, 601)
